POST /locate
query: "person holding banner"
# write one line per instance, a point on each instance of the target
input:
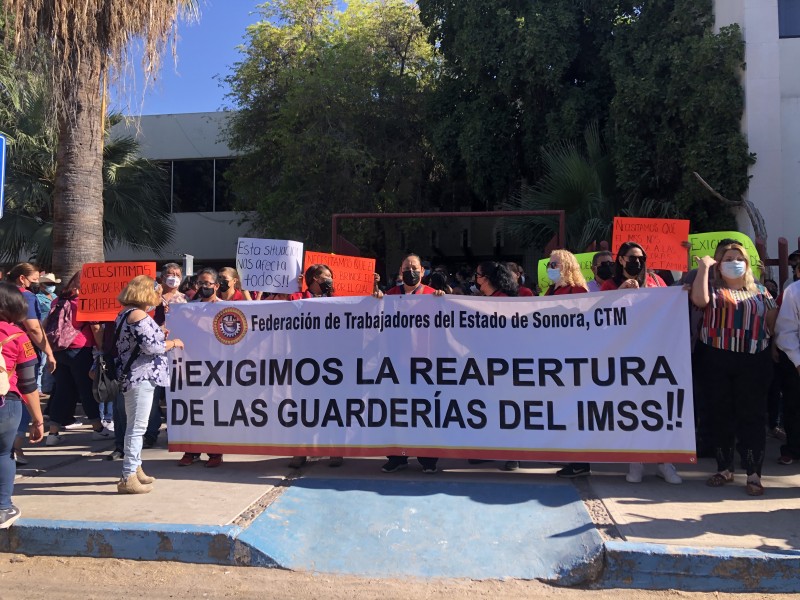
(519, 277)
(230, 289)
(207, 286)
(411, 275)
(603, 269)
(319, 280)
(495, 279)
(630, 273)
(739, 315)
(141, 365)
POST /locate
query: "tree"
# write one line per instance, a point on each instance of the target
(84, 41)
(135, 205)
(331, 115)
(678, 109)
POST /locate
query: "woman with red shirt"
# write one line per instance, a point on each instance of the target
(565, 273)
(495, 279)
(229, 286)
(20, 364)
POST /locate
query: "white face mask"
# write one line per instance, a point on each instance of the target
(733, 269)
(172, 281)
(554, 275)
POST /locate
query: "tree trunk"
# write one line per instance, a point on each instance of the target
(78, 196)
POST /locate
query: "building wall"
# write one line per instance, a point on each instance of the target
(771, 119)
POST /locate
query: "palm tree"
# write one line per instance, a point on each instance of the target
(86, 41)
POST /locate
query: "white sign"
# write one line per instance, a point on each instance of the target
(593, 377)
(269, 265)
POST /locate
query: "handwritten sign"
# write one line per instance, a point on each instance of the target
(706, 243)
(352, 275)
(660, 238)
(269, 265)
(584, 260)
(101, 283)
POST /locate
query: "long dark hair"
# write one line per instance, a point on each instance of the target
(619, 275)
(500, 276)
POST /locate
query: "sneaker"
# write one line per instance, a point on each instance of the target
(778, 433)
(8, 516)
(75, 425)
(785, 459)
(635, 473)
(109, 425)
(115, 455)
(395, 464)
(53, 439)
(19, 457)
(189, 458)
(336, 461)
(429, 469)
(297, 462)
(214, 461)
(668, 473)
(572, 471)
(102, 434)
(511, 465)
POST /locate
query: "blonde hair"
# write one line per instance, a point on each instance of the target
(749, 280)
(140, 292)
(570, 269)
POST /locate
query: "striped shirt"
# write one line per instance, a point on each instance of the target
(735, 320)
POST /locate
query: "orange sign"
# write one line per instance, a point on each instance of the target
(101, 283)
(352, 275)
(660, 238)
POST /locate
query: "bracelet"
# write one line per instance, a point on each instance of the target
(37, 424)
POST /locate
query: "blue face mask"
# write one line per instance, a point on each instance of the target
(733, 269)
(49, 289)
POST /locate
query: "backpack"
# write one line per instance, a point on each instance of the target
(58, 326)
(105, 386)
(5, 376)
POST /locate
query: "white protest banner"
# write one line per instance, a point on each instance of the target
(600, 377)
(269, 265)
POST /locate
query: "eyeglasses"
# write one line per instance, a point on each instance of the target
(206, 284)
(605, 263)
(634, 257)
(553, 265)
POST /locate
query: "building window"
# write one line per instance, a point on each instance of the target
(192, 186)
(224, 198)
(789, 18)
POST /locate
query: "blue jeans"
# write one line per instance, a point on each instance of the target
(10, 414)
(138, 401)
(121, 419)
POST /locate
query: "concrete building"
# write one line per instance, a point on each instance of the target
(192, 149)
(771, 120)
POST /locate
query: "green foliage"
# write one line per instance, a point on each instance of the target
(677, 110)
(332, 115)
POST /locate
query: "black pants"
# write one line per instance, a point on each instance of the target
(790, 384)
(426, 462)
(737, 386)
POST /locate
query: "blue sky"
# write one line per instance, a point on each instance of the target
(205, 49)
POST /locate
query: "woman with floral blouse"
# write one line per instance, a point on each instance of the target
(141, 366)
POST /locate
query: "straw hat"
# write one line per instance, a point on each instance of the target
(49, 278)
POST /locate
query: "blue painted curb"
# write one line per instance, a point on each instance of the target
(139, 541)
(661, 567)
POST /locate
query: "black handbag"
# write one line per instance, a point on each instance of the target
(105, 386)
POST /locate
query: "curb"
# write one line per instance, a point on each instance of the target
(662, 567)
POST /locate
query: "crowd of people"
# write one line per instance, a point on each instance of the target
(745, 354)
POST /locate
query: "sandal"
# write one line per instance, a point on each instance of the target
(718, 480)
(754, 488)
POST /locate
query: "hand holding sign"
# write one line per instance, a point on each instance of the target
(269, 265)
(661, 239)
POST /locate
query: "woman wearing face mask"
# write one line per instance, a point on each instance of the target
(45, 297)
(207, 286)
(565, 274)
(319, 279)
(495, 279)
(230, 286)
(738, 320)
(630, 273)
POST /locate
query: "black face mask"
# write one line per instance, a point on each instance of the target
(224, 286)
(411, 277)
(34, 288)
(604, 271)
(634, 266)
(205, 292)
(326, 287)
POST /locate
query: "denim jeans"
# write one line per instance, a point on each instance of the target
(121, 420)
(72, 384)
(10, 414)
(138, 401)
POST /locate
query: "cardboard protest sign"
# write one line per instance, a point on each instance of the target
(706, 243)
(660, 238)
(352, 275)
(101, 283)
(269, 265)
(584, 260)
(599, 377)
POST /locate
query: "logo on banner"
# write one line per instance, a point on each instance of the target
(230, 326)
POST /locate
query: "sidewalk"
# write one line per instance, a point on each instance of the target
(465, 521)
